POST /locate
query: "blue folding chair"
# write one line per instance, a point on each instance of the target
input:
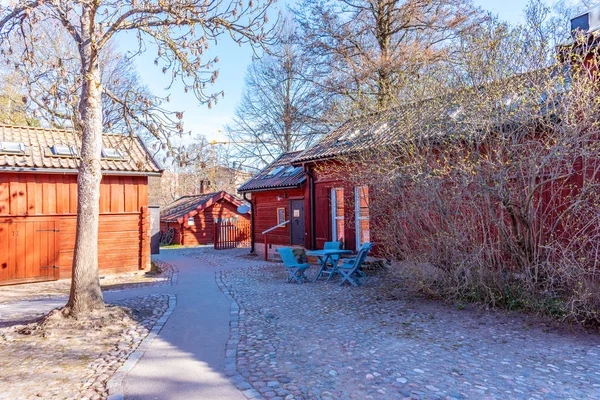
(350, 267)
(295, 269)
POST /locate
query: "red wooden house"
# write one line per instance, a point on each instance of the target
(335, 208)
(193, 218)
(339, 208)
(319, 207)
(279, 196)
(38, 203)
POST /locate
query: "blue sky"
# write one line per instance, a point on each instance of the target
(234, 61)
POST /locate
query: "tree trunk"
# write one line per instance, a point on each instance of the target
(86, 294)
(287, 101)
(383, 35)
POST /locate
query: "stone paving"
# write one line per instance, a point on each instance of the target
(66, 363)
(324, 341)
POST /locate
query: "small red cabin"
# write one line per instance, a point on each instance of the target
(193, 217)
(295, 203)
(279, 209)
(38, 203)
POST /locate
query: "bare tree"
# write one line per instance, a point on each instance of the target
(52, 83)
(368, 51)
(181, 31)
(281, 109)
(13, 102)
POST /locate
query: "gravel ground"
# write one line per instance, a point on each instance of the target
(64, 361)
(324, 341)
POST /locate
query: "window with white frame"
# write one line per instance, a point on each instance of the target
(337, 214)
(361, 204)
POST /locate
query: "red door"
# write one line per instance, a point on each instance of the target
(29, 251)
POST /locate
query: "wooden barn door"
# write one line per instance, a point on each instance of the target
(29, 251)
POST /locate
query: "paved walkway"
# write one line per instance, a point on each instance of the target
(187, 359)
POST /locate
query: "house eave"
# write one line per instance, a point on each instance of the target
(68, 171)
(271, 188)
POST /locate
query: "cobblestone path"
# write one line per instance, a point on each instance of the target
(323, 341)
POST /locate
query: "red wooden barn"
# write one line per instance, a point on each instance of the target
(193, 217)
(38, 203)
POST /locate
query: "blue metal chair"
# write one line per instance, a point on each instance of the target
(295, 269)
(368, 245)
(350, 267)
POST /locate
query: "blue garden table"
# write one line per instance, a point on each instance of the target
(325, 257)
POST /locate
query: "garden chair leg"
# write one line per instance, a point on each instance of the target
(347, 277)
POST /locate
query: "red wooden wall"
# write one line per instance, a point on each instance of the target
(202, 232)
(52, 197)
(265, 214)
(325, 180)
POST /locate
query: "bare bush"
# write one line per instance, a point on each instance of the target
(491, 193)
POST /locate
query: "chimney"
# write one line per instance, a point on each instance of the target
(202, 186)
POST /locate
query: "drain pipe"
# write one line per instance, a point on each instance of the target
(311, 186)
(251, 223)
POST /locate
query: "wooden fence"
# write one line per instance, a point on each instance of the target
(229, 235)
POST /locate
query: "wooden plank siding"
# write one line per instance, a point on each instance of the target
(323, 220)
(202, 232)
(18, 263)
(265, 214)
(55, 194)
(52, 199)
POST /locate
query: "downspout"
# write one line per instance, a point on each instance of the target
(311, 186)
(251, 223)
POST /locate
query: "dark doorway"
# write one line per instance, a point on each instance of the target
(297, 221)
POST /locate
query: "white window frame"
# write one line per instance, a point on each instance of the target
(358, 218)
(334, 216)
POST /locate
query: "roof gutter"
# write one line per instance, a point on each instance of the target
(252, 240)
(69, 171)
(311, 186)
(270, 188)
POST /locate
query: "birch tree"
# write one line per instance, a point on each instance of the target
(181, 32)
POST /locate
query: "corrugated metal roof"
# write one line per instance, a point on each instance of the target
(38, 154)
(279, 174)
(191, 205)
